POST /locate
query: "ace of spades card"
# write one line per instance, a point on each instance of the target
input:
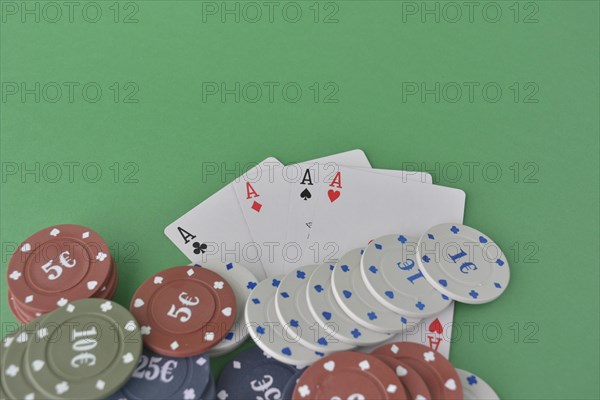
(264, 201)
(361, 205)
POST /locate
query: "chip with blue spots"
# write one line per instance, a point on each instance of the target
(292, 308)
(330, 317)
(463, 263)
(268, 333)
(353, 296)
(475, 388)
(390, 271)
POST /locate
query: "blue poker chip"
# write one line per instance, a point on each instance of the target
(288, 390)
(210, 393)
(252, 374)
(161, 377)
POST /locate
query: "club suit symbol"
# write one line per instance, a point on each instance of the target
(199, 248)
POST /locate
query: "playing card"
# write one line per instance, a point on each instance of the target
(361, 205)
(216, 227)
(264, 201)
(299, 222)
(434, 332)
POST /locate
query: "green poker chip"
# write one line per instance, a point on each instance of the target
(86, 349)
(2, 392)
(16, 384)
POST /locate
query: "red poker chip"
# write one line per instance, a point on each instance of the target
(415, 386)
(349, 375)
(57, 265)
(107, 285)
(19, 315)
(112, 288)
(25, 314)
(108, 290)
(435, 369)
(184, 311)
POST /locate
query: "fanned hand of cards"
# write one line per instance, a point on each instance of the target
(275, 218)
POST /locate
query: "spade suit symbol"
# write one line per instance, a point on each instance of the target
(305, 194)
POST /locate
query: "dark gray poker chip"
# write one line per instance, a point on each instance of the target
(162, 377)
(210, 393)
(252, 374)
(288, 390)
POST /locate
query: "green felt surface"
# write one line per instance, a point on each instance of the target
(378, 75)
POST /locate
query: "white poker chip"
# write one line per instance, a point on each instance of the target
(330, 317)
(266, 331)
(356, 300)
(475, 388)
(242, 282)
(391, 272)
(292, 309)
(463, 263)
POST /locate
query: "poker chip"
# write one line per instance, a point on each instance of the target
(16, 383)
(349, 375)
(475, 388)
(211, 391)
(75, 343)
(356, 300)
(437, 372)
(57, 265)
(288, 389)
(86, 349)
(463, 263)
(292, 309)
(161, 377)
(184, 311)
(25, 315)
(415, 386)
(108, 290)
(325, 310)
(390, 271)
(252, 374)
(19, 315)
(242, 282)
(266, 330)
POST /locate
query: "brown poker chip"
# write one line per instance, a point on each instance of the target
(435, 369)
(19, 315)
(57, 265)
(415, 386)
(184, 311)
(107, 291)
(25, 314)
(349, 375)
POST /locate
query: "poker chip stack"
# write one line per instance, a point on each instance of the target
(70, 353)
(305, 323)
(373, 293)
(58, 265)
(395, 371)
